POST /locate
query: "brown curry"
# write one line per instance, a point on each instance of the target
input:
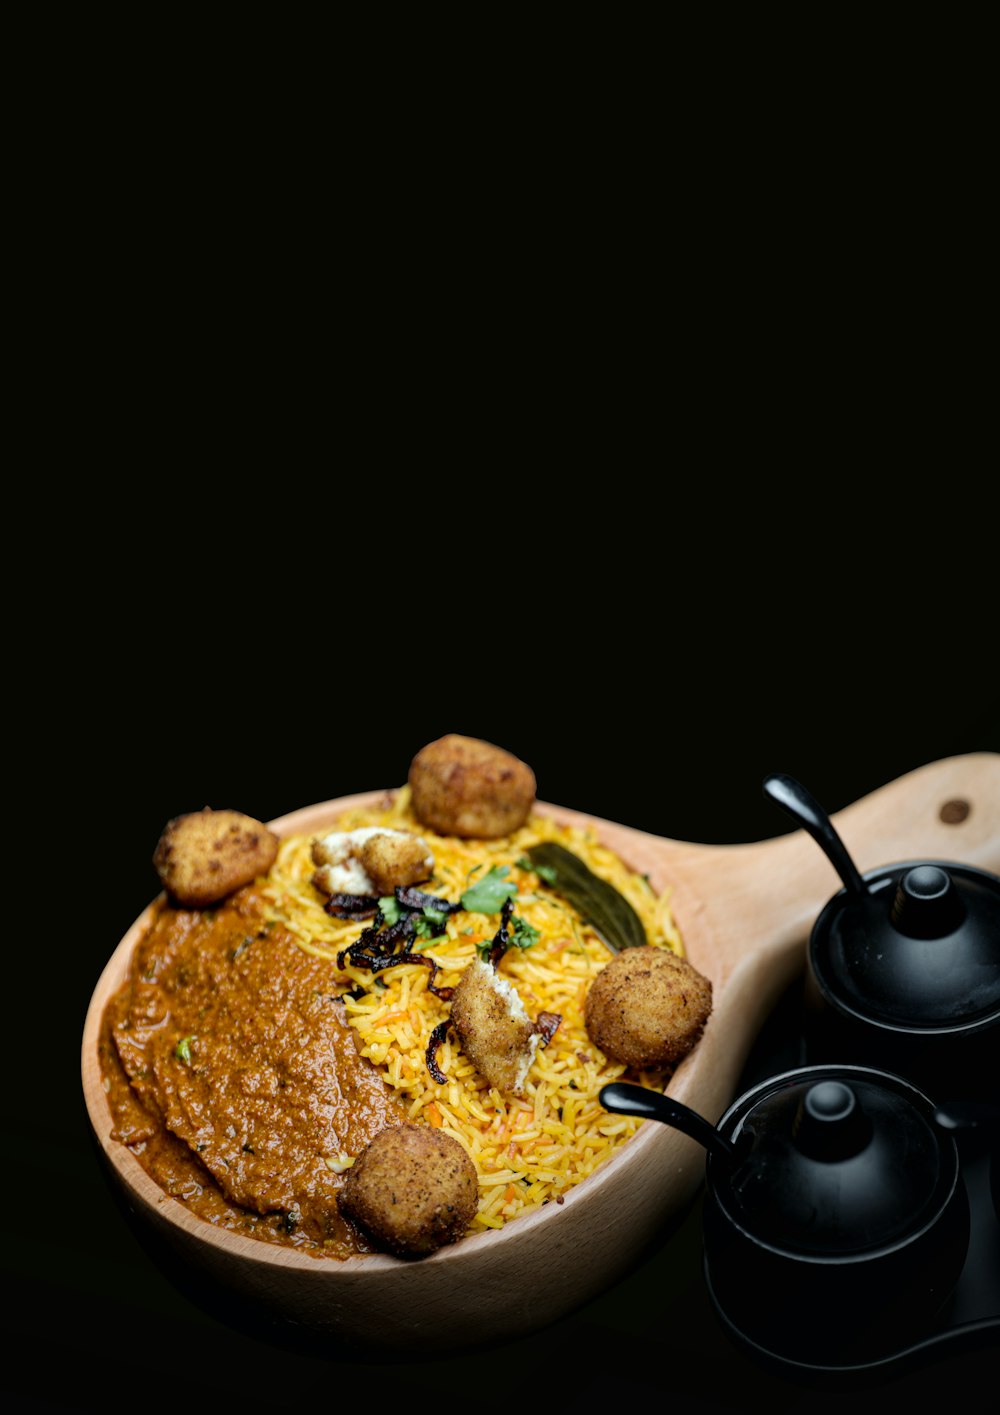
(233, 1076)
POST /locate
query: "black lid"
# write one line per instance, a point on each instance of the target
(920, 951)
(834, 1161)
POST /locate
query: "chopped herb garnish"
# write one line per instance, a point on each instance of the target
(182, 1050)
(391, 911)
(488, 895)
(241, 946)
(474, 871)
(524, 934)
(426, 927)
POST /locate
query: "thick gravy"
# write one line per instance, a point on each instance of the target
(233, 1076)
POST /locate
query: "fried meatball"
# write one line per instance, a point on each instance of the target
(203, 856)
(647, 1008)
(391, 860)
(412, 1189)
(462, 786)
(496, 1033)
(370, 860)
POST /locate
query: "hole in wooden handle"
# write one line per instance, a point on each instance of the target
(955, 812)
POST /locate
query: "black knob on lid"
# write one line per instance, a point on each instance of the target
(926, 904)
(919, 952)
(832, 1126)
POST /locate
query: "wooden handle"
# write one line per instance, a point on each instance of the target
(767, 895)
(746, 911)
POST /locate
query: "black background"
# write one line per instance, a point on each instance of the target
(659, 527)
(646, 680)
(662, 500)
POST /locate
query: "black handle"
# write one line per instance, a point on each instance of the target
(797, 802)
(625, 1099)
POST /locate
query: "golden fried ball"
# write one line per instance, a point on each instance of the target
(203, 856)
(391, 860)
(647, 1008)
(462, 786)
(412, 1189)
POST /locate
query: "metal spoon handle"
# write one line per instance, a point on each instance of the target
(796, 801)
(625, 1099)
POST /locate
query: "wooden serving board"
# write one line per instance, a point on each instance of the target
(745, 913)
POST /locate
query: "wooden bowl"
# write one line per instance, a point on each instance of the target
(744, 912)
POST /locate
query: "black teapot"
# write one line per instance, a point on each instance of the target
(903, 965)
(836, 1219)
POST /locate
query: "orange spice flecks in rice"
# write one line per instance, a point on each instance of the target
(526, 1150)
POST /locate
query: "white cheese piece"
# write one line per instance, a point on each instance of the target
(351, 877)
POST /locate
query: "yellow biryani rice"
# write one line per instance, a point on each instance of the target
(527, 1151)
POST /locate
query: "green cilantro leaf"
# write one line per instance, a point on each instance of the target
(488, 894)
(391, 908)
(426, 927)
(524, 934)
(521, 935)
